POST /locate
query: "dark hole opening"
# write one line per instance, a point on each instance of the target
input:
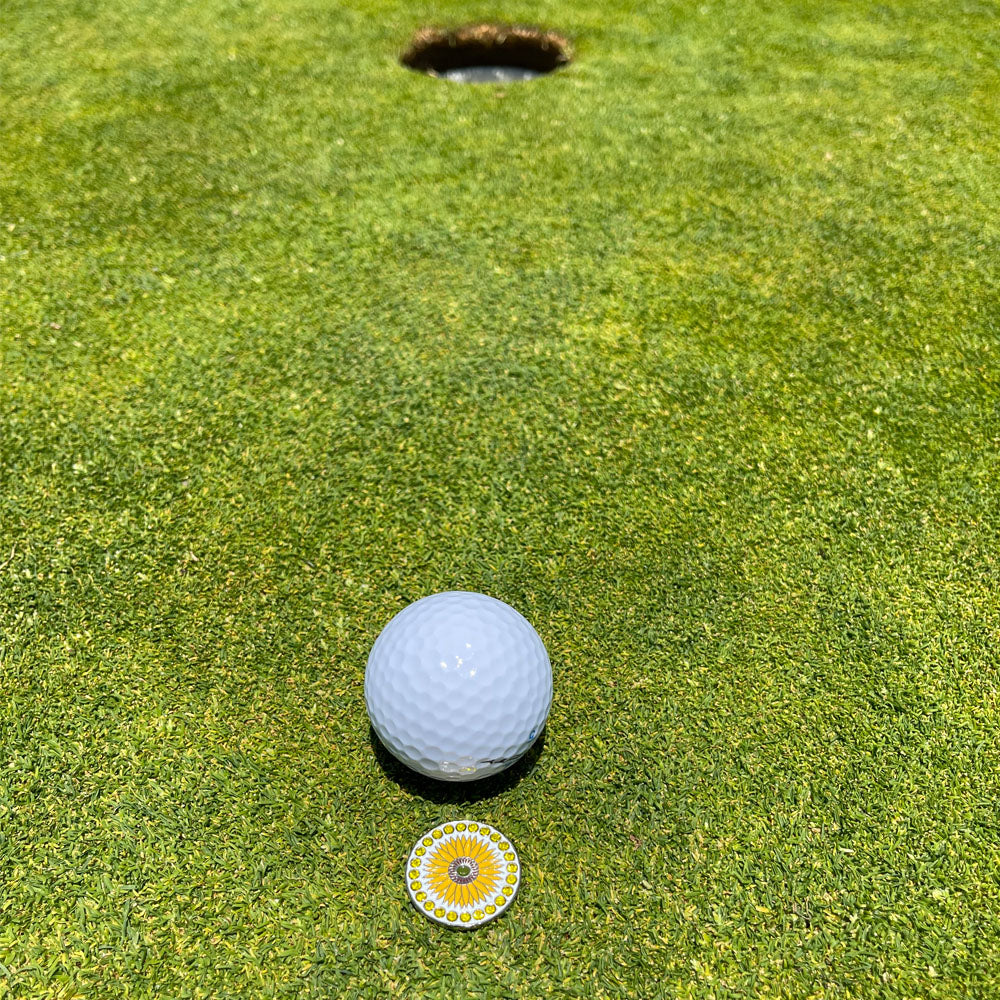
(484, 52)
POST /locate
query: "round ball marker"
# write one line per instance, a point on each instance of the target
(463, 874)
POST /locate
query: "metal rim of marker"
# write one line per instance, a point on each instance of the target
(463, 874)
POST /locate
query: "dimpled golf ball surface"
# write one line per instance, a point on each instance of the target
(458, 686)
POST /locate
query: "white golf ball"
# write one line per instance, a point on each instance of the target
(458, 686)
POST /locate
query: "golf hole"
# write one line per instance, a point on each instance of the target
(486, 53)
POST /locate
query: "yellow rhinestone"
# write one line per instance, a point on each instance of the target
(484, 830)
(436, 834)
(503, 845)
(421, 896)
(420, 851)
(494, 837)
(491, 909)
(465, 918)
(427, 841)
(460, 827)
(512, 868)
(439, 912)
(414, 885)
(453, 915)
(479, 913)
(449, 829)
(473, 827)
(508, 890)
(429, 905)
(500, 901)
(509, 855)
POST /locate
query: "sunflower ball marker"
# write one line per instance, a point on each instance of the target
(463, 875)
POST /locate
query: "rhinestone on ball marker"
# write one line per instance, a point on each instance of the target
(463, 874)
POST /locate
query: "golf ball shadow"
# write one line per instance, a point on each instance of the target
(450, 792)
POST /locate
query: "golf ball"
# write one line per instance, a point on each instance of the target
(458, 686)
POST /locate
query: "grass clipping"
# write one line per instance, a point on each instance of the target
(436, 51)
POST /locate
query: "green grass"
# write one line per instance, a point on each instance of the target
(690, 353)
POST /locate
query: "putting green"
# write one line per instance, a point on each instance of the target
(688, 351)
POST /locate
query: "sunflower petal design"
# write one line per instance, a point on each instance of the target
(462, 874)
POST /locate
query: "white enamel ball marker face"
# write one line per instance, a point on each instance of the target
(463, 874)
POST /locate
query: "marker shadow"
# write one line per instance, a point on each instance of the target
(454, 792)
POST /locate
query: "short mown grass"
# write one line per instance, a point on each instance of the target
(688, 351)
